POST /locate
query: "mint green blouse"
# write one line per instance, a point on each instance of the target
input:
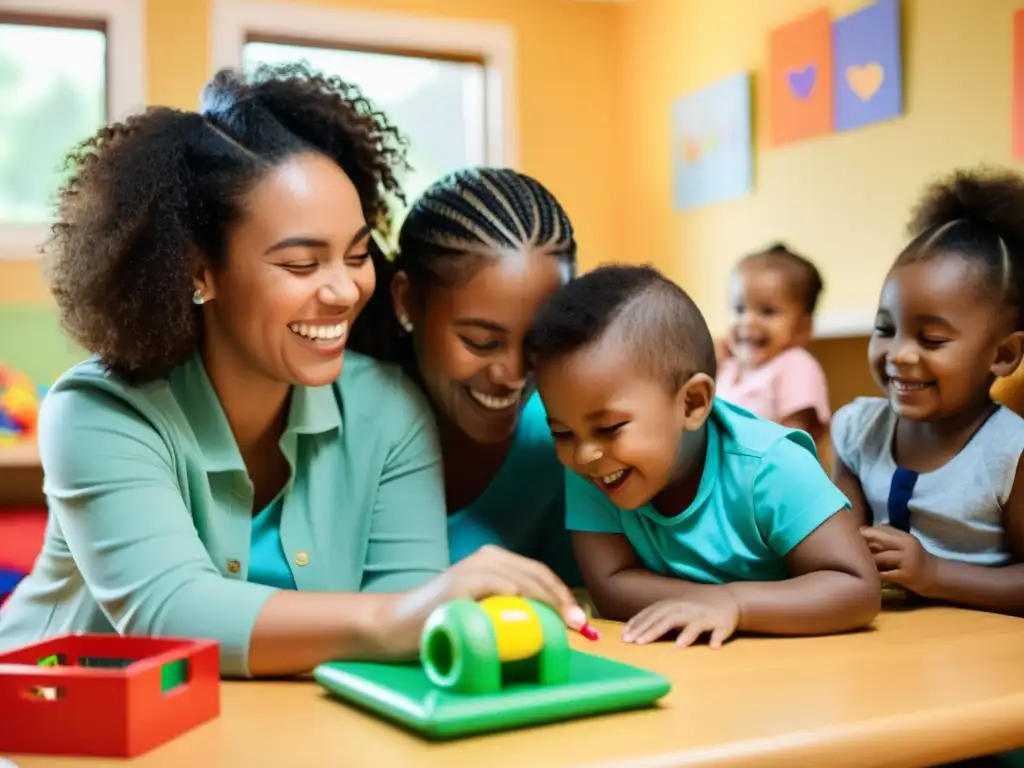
(151, 520)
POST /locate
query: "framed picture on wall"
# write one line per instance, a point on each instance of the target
(867, 66)
(800, 79)
(1017, 114)
(712, 147)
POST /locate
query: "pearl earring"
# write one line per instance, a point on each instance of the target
(405, 323)
(197, 297)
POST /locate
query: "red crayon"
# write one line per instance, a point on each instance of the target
(589, 632)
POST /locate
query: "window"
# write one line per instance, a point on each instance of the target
(447, 85)
(437, 104)
(66, 68)
(53, 94)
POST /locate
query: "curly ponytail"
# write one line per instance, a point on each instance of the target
(977, 215)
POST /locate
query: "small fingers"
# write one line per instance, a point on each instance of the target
(650, 624)
(719, 635)
(657, 629)
(888, 559)
(640, 622)
(692, 631)
(880, 536)
(894, 576)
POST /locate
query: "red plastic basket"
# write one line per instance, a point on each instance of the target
(105, 695)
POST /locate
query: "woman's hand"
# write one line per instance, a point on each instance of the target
(492, 570)
(489, 571)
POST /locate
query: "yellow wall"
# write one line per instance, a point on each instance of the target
(596, 82)
(843, 198)
(568, 114)
(567, 82)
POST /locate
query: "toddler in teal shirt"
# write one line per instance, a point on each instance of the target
(687, 513)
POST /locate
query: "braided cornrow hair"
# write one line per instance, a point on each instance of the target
(461, 222)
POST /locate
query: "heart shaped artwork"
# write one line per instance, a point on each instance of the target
(865, 79)
(801, 81)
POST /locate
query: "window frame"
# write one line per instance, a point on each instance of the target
(236, 22)
(124, 24)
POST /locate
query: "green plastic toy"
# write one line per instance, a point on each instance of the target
(470, 647)
(500, 663)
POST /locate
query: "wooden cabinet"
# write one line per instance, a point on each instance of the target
(21, 476)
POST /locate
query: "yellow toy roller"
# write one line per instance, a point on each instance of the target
(478, 647)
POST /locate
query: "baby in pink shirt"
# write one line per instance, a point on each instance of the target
(765, 368)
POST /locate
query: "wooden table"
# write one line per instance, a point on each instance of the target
(925, 686)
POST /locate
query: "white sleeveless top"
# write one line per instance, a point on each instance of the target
(956, 511)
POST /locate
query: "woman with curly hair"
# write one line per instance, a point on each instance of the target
(478, 254)
(221, 467)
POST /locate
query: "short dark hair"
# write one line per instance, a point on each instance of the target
(653, 315)
(460, 223)
(148, 193)
(978, 216)
(804, 277)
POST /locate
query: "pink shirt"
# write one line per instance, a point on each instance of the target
(790, 382)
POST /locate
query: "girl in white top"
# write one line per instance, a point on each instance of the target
(935, 468)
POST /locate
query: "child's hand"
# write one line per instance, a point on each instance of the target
(900, 558)
(718, 615)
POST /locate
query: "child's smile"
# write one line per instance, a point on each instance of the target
(767, 316)
(934, 341)
(612, 422)
(612, 483)
(907, 390)
(470, 343)
(749, 347)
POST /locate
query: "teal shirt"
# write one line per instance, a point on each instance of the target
(151, 520)
(523, 507)
(762, 492)
(268, 563)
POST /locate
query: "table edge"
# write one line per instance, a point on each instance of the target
(941, 734)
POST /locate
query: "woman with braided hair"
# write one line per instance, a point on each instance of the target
(478, 254)
(223, 467)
